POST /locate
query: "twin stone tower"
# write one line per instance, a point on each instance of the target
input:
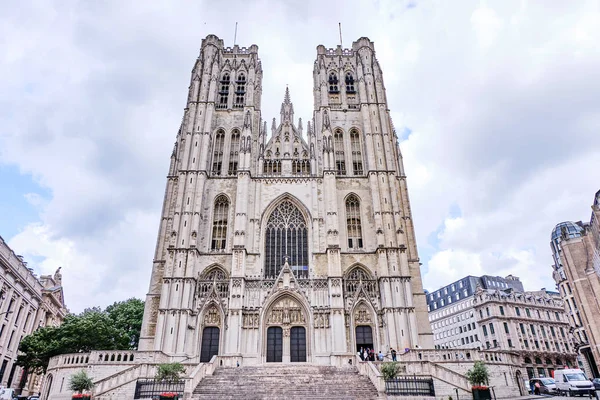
(290, 246)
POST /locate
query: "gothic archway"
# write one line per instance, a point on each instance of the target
(364, 325)
(286, 330)
(49, 380)
(210, 328)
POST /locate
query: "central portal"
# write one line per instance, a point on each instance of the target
(274, 344)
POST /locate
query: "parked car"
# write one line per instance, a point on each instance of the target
(572, 382)
(596, 383)
(7, 394)
(547, 385)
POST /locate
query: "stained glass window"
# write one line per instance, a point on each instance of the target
(286, 238)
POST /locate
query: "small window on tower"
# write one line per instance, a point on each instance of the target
(218, 152)
(224, 91)
(333, 83)
(234, 150)
(340, 157)
(350, 83)
(240, 91)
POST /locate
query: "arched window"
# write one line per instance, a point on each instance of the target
(333, 83)
(218, 152)
(338, 147)
(224, 91)
(219, 232)
(240, 91)
(353, 223)
(234, 150)
(286, 238)
(357, 165)
(350, 83)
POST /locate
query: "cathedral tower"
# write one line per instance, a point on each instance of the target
(290, 247)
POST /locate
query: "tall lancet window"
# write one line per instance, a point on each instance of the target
(286, 239)
(224, 91)
(234, 150)
(219, 231)
(333, 83)
(240, 91)
(218, 152)
(357, 163)
(338, 148)
(353, 220)
(350, 83)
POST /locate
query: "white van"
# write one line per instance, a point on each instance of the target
(572, 382)
(7, 394)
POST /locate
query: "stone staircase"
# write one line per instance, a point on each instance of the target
(285, 382)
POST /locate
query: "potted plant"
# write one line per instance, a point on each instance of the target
(79, 383)
(478, 377)
(168, 396)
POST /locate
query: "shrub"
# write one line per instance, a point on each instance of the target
(389, 370)
(170, 372)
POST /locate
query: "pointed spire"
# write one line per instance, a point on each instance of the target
(287, 108)
(273, 127)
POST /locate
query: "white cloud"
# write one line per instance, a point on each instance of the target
(501, 102)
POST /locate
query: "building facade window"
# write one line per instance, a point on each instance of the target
(333, 83)
(220, 216)
(240, 91)
(217, 163)
(234, 151)
(224, 91)
(350, 83)
(353, 219)
(357, 163)
(338, 148)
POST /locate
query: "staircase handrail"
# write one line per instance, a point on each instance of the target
(197, 374)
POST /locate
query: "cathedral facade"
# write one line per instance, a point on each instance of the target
(294, 245)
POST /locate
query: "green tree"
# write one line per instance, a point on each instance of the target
(478, 375)
(170, 371)
(116, 328)
(80, 382)
(127, 318)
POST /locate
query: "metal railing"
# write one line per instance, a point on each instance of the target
(410, 386)
(152, 388)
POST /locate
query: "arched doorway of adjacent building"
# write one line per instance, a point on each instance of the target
(49, 379)
(521, 383)
(210, 343)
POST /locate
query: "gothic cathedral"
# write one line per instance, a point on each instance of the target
(293, 246)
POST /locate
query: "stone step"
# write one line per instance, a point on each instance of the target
(278, 381)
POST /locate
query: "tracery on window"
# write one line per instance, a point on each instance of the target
(350, 83)
(240, 91)
(355, 240)
(286, 239)
(224, 91)
(301, 167)
(357, 163)
(333, 83)
(214, 276)
(219, 231)
(338, 147)
(271, 167)
(358, 276)
(234, 150)
(218, 152)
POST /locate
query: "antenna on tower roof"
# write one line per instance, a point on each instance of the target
(235, 35)
(340, 26)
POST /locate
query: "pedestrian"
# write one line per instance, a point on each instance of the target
(537, 388)
(380, 355)
(362, 354)
(393, 354)
(372, 354)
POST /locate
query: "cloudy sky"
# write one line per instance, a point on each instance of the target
(497, 103)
